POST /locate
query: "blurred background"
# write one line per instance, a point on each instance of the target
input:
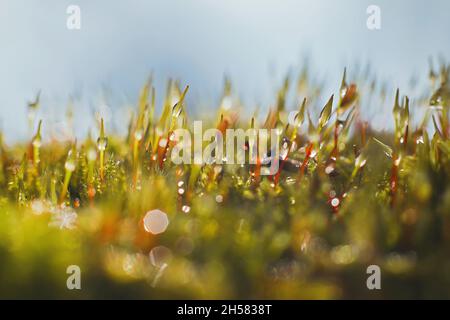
(253, 42)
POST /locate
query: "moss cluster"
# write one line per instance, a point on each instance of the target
(345, 197)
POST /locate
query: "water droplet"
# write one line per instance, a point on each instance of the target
(155, 221)
(37, 142)
(138, 134)
(360, 161)
(293, 146)
(284, 153)
(70, 165)
(335, 202)
(363, 163)
(102, 143)
(290, 180)
(160, 256)
(227, 103)
(162, 143)
(329, 169)
(219, 198)
(180, 191)
(38, 207)
(186, 209)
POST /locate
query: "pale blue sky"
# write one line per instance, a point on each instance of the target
(198, 41)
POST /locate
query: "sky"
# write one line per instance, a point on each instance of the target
(254, 42)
